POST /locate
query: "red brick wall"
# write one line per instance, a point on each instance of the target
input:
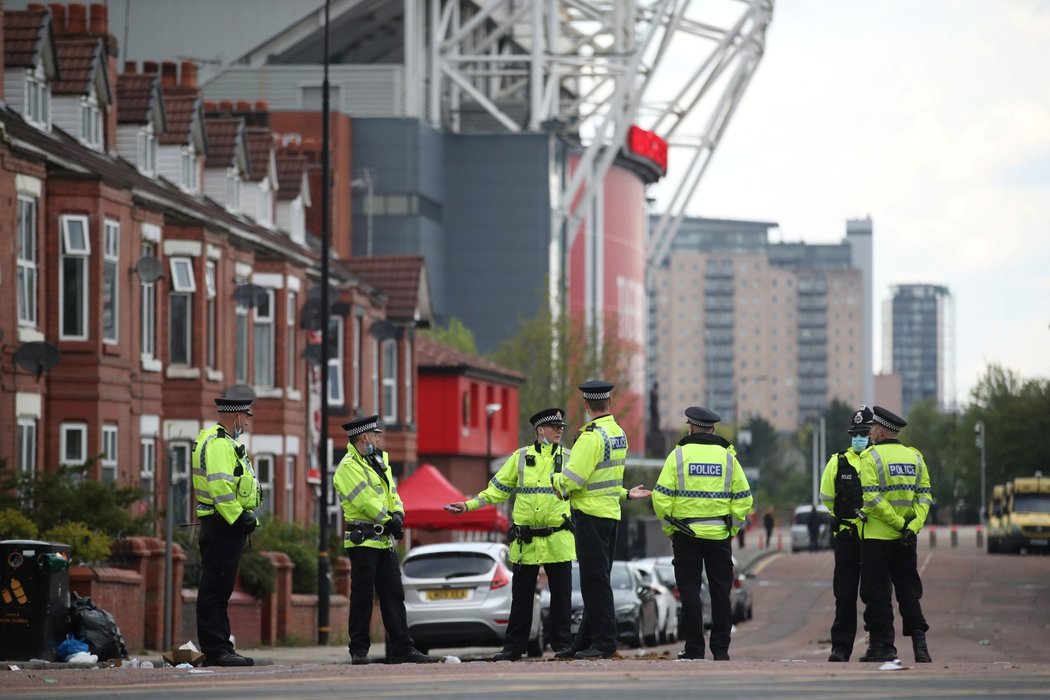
(118, 592)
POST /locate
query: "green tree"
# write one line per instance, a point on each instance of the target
(455, 334)
(557, 355)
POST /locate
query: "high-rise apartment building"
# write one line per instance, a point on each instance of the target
(918, 342)
(752, 327)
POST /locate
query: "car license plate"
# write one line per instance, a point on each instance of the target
(1039, 543)
(447, 594)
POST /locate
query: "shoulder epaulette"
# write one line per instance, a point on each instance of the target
(221, 432)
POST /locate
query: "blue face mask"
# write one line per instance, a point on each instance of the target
(859, 443)
(237, 432)
(370, 449)
(544, 440)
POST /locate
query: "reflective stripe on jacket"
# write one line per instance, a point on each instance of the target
(535, 503)
(702, 483)
(593, 477)
(223, 477)
(367, 498)
(896, 486)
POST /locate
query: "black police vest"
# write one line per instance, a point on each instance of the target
(848, 495)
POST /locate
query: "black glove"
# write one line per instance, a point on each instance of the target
(396, 526)
(909, 540)
(247, 521)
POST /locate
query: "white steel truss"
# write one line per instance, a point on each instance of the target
(591, 69)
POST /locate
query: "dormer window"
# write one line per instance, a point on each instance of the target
(189, 170)
(38, 99)
(90, 123)
(147, 151)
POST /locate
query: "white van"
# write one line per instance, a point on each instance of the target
(800, 528)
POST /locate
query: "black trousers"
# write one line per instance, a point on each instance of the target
(595, 548)
(885, 562)
(691, 555)
(375, 571)
(220, 546)
(846, 583)
(523, 594)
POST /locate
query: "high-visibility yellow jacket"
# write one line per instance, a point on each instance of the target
(223, 477)
(526, 475)
(827, 487)
(592, 479)
(703, 484)
(896, 486)
(368, 496)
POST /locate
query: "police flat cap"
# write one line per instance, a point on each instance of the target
(596, 390)
(888, 419)
(226, 405)
(368, 424)
(701, 417)
(861, 421)
(548, 416)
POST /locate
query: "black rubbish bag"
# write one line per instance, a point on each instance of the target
(96, 627)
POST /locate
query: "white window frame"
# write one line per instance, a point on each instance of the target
(233, 189)
(108, 470)
(409, 404)
(28, 271)
(64, 432)
(375, 375)
(37, 98)
(183, 287)
(291, 341)
(241, 341)
(289, 488)
(264, 207)
(189, 170)
(180, 453)
(147, 142)
(148, 292)
(336, 391)
(211, 337)
(297, 221)
(111, 279)
(182, 278)
(388, 354)
(90, 123)
(264, 466)
(264, 365)
(25, 445)
(148, 469)
(356, 354)
(74, 252)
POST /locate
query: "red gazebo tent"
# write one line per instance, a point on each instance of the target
(424, 494)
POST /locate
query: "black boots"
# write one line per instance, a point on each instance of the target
(839, 654)
(879, 651)
(918, 645)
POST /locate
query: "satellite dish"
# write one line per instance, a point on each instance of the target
(149, 268)
(249, 295)
(37, 357)
(242, 392)
(382, 330)
(310, 317)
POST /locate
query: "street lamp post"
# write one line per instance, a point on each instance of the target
(490, 410)
(979, 429)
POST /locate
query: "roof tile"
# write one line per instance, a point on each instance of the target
(400, 277)
(260, 144)
(77, 60)
(432, 353)
(223, 134)
(135, 97)
(290, 169)
(180, 104)
(23, 32)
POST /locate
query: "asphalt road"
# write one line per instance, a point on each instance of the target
(989, 618)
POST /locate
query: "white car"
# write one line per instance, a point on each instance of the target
(656, 577)
(459, 594)
(800, 528)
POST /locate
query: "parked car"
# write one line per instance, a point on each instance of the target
(459, 594)
(661, 580)
(740, 595)
(800, 527)
(635, 604)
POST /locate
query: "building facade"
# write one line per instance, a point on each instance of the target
(751, 327)
(918, 343)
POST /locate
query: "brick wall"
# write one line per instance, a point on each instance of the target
(118, 592)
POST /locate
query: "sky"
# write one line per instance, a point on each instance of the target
(933, 118)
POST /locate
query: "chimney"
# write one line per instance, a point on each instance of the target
(99, 19)
(58, 18)
(34, 7)
(188, 77)
(130, 67)
(169, 74)
(77, 18)
(225, 106)
(150, 67)
(244, 107)
(210, 106)
(262, 106)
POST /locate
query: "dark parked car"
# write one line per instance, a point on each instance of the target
(634, 602)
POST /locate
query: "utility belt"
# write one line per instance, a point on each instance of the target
(683, 524)
(525, 533)
(357, 533)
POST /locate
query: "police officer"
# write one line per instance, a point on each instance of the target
(374, 519)
(592, 481)
(540, 535)
(841, 492)
(897, 500)
(227, 493)
(703, 490)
